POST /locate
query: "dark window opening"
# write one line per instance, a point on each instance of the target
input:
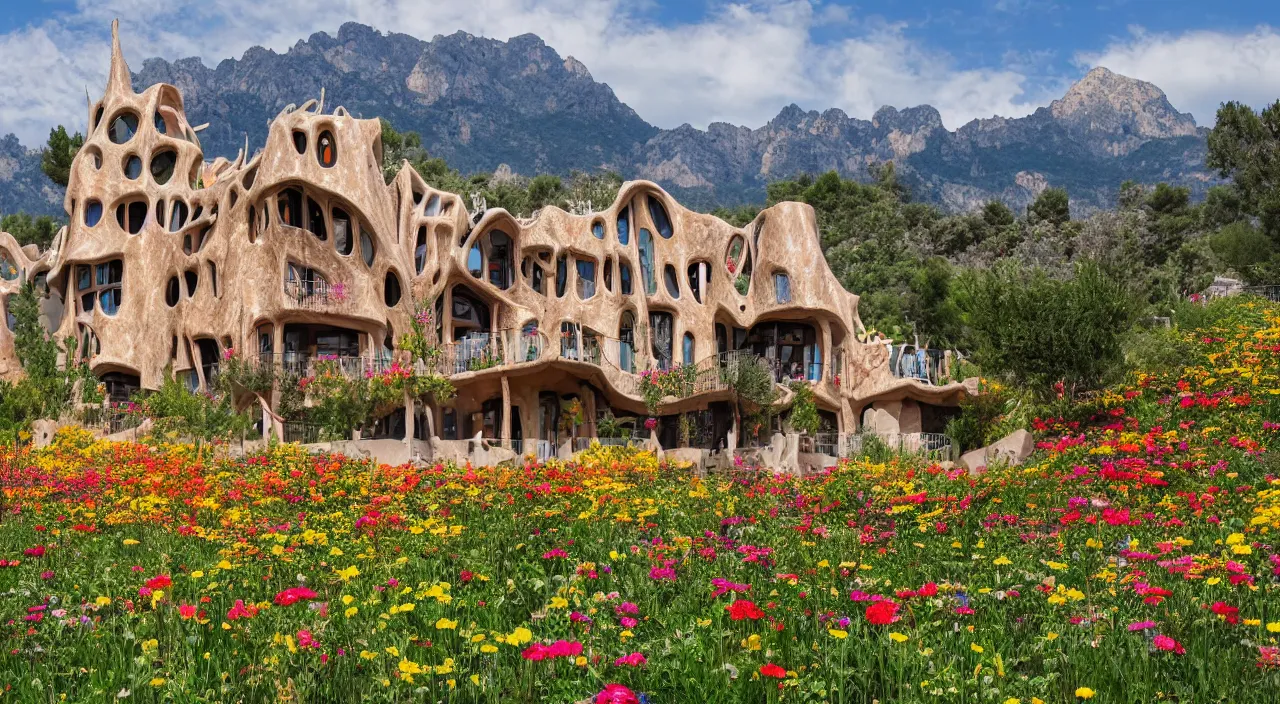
(660, 331)
(289, 203)
(420, 250)
(391, 289)
(300, 141)
(123, 127)
(433, 206)
(782, 287)
(177, 216)
(562, 275)
(500, 258)
(475, 260)
(253, 224)
(92, 213)
(659, 216)
(687, 350)
(470, 315)
(131, 216)
(315, 220)
(160, 213)
(586, 278)
(342, 232)
(597, 229)
(249, 178)
(608, 275)
(326, 150)
(672, 282)
(172, 292)
(647, 273)
(159, 122)
(132, 167)
(162, 166)
(538, 282)
(624, 226)
(624, 277)
(213, 280)
(366, 248)
(193, 280)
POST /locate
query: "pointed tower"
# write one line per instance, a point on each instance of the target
(119, 80)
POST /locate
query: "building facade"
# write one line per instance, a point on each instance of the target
(303, 252)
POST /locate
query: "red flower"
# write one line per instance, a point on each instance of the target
(771, 670)
(187, 611)
(882, 613)
(240, 610)
(159, 582)
(293, 595)
(1164, 642)
(1230, 613)
(744, 609)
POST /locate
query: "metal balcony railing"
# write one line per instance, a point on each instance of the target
(933, 445)
(1271, 293)
(315, 295)
(924, 365)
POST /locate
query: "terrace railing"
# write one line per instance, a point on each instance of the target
(927, 366)
(316, 295)
(933, 445)
(1271, 293)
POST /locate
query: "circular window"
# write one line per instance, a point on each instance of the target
(132, 167)
(162, 165)
(300, 141)
(123, 127)
(326, 150)
(391, 289)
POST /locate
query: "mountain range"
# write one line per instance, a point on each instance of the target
(481, 102)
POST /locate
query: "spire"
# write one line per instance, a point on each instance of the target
(119, 78)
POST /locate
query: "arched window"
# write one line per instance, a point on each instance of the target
(289, 203)
(626, 342)
(300, 141)
(624, 226)
(608, 275)
(562, 275)
(172, 292)
(92, 213)
(687, 349)
(624, 277)
(366, 247)
(326, 150)
(475, 260)
(647, 274)
(659, 216)
(699, 279)
(586, 278)
(177, 216)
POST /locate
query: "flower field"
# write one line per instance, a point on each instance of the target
(1131, 559)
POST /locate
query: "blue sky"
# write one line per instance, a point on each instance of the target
(702, 61)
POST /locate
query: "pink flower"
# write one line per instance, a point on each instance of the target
(627, 607)
(650, 423)
(552, 554)
(1142, 625)
(662, 573)
(616, 694)
(240, 610)
(628, 622)
(305, 640)
(634, 660)
(186, 611)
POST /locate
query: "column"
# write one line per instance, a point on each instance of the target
(506, 412)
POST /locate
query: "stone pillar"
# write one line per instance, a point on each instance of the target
(410, 408)
(588, 397)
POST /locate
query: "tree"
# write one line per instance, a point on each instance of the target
(58, 154)
(1036, 330)
(39, 231)
(1244, 146)
(1051, 206)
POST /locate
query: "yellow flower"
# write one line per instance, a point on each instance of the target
(130, 541)
(157, 682)
(334, 552)
(477, 638)
(519, 636)
(1273, 627)
(975, 647)
(580, 661)
(475, 679)
(393, 651)
(838, 634)
(410, 667)
(1212, 581)
(445, 624)
(1235, 539)
(348, 574)
(1050, 635)
(1002, 560)
(1084, 693)
(347, 598)
(197, 574)
(1093, 543)
(824, 563)
(897, 637)
(224, 565)
(104, 600)
(351, 611)
(488, 648)
(1013, 700)
(559, 602)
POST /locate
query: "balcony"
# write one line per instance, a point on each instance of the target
(316, 295)
(923, 365)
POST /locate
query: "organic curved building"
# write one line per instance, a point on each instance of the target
(303, 251)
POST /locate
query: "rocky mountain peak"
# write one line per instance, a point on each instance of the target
(1119, 113)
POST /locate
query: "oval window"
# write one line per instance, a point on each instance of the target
(366, 247)
(162, 165)
(326, 150)
(92, 213)
(123, 127)
(391, 289)
(172, 292)
(660, 218)
(300, 141)
(624, 227)
(597, 229)
(132, 167)
(673, 284)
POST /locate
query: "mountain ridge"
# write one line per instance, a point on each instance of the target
(480, 103)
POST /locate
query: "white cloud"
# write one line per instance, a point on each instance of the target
(1201, 69)
(741, 63)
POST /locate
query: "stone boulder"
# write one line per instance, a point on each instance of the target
(1011, 450)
